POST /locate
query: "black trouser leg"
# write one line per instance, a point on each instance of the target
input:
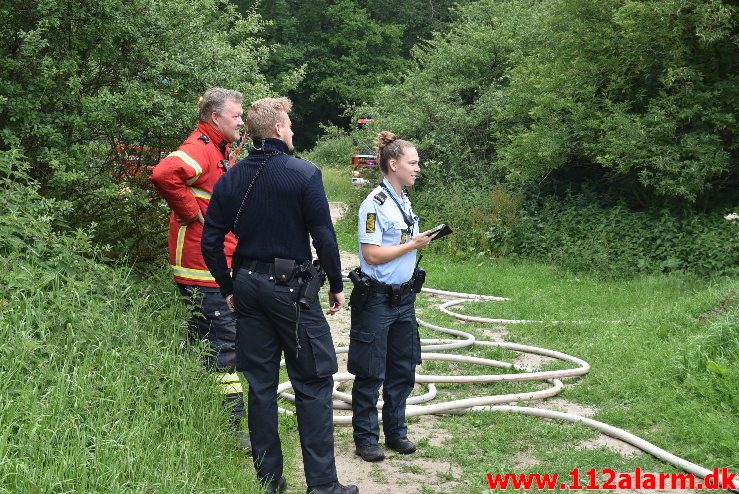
(259, 358)
(400, 369)
(268, 323)
(365, 422)
(367, 351)
(213, 322)
(383, 351)
(311, 367)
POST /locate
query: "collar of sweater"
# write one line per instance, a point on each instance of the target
(270, 145)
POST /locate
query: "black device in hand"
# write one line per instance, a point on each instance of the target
(443, 230)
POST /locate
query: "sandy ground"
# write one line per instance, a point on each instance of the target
(415, 474)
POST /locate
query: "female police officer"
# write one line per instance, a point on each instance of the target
(384, 346)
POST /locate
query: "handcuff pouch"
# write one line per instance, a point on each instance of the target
(284, 270)
(395, 292)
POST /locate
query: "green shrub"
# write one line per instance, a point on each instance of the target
(334, 149)
(82, 80)
(582, 232)
(97, 393)
(640, 92)
(578, 233)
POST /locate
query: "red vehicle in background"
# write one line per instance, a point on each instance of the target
(134, 159)
(364, 163)
(364, 168)
(133, 164)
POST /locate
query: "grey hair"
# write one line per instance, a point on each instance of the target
(215, 99)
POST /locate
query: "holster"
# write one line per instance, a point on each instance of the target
(313, 278)
(360, 292)
(419, 278)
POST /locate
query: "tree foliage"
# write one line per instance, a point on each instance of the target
(639, 94)
(80, 79)
(348, 48)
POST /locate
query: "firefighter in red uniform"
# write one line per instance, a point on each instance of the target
(185, 179)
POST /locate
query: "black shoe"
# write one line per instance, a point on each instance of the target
(244, 442)
(370, 452)
(402, 446)
(333, 488)
(276, 486)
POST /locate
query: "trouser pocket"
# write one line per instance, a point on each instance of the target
(362, 350)
(321, 351)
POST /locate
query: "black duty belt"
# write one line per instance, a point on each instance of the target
(284, 272)
(379, 287)
(258, 266)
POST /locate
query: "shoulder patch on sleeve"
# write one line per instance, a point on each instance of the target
(380, 197)
(309, 161)
(371, 220)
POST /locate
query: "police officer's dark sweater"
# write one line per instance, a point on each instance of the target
(286, 203)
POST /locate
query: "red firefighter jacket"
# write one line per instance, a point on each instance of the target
(185, 178)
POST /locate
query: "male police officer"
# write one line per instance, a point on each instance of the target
(272, 202)
(185, 178)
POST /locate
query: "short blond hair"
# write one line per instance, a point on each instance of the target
(264, 114)
(215, 99)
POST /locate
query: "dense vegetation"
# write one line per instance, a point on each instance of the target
(551, 129)
(347, 49)
(640, 94)
(92, 90)
(98, 395)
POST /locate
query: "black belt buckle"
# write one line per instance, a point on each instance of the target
(395, 292)
(284, 270)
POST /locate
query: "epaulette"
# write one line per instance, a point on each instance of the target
(309, 161)
(380, 197)
(204, 138)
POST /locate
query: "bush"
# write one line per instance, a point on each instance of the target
(578, 233)
(640, 92)
(80, 79)
(582, 231)
(98, 395)
(334, 149)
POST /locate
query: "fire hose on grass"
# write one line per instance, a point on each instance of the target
(493, 403)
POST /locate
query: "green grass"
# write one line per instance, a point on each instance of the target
(337, 182)
(98, 395)
(668, 371)
(664, 352)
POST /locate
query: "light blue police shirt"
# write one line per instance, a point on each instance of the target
(381, 223)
